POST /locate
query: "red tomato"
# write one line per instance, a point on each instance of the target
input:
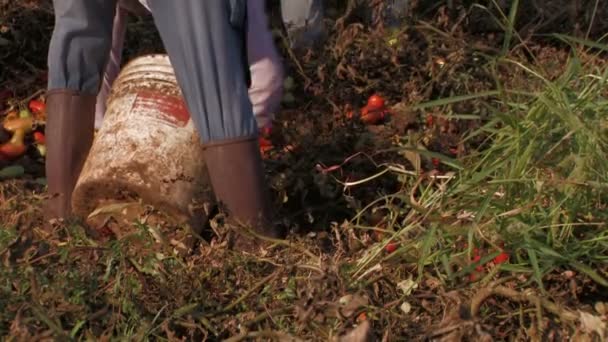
(391, 247)
(266, 131)
(375, 102)
(39, 137)
(37, 106)
(264, 142)
(372, 117)
(12, 151)
(501, 258)
(430, 120)
(265, 145)
(364, 111)
(436, 162)
(477, 258)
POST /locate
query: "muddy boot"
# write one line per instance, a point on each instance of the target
(69, 135)
(237, 177)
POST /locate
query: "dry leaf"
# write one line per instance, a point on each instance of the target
(114, 208)
(406, 307)
(414, 158)
(361, 333)
(601, 308)
(591, 323)
(407, 286)
(347, 305)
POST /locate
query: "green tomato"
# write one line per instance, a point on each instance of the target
(25, 113)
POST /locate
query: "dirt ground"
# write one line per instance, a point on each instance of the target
(345, 271)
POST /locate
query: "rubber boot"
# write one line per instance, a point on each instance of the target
(237, 177)
(69, 136)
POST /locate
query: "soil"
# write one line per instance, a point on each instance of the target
(125, 283)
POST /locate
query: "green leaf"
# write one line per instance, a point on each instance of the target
(538, 276)
(10, 172)
(77, 328)
(590, 272)
(455, 99)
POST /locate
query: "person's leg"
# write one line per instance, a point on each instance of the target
(78, 53)
(265, 65)
(303, 20)
(264, 60)
(113, 67)
(206, 47)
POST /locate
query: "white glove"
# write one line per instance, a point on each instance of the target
(265, 65)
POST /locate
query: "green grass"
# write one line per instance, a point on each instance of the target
(539, 184)
(532, 182)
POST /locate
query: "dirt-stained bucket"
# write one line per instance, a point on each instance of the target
(147, 150)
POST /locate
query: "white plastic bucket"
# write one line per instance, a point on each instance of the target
(147, 148)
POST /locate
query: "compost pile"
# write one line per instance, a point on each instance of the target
(443, 181)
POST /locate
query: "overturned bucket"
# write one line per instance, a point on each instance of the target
(147, 149)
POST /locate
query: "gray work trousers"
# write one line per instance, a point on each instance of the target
(205, 41)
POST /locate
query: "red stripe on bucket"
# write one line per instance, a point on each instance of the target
(170, 109)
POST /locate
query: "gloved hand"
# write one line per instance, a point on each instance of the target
(265, 64)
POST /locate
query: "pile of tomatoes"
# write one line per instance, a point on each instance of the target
(373, 113)
(19, 126)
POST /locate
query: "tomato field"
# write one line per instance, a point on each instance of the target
(443, 181)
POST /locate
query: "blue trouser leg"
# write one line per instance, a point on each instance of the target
(205, 40)
(205, 43)
(80, 44)
(78, 52)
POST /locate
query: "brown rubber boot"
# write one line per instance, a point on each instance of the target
(237, 177)
(69, 136)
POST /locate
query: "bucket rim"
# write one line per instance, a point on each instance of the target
(139, 58)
